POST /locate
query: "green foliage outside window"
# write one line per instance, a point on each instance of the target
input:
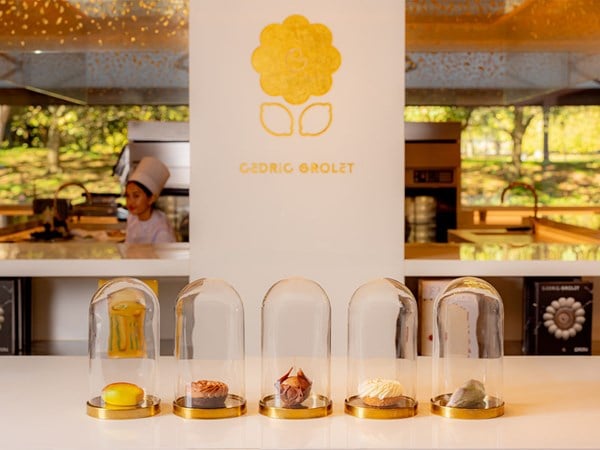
(504, 144)
(42, 147)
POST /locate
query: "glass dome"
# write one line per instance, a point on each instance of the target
(209, 351)
(382, 351)
(124, 346)
(296, 351)
(468, 350)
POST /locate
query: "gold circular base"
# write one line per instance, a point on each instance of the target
(439, 408)
(100, 410)
(235, 406)
(357, 408)
(266, 408)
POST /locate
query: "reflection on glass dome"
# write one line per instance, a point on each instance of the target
(209, 350)
(296, 348)
(382, 351)
(468, 351)
(123, 350)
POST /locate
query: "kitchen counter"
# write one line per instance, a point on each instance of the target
(490, 259)
(96, 259)
(116, 259)
(551, 402)
(540, 231)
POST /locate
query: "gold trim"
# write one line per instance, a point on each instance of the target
(356, 408)
(439, 408)
(277, 412)
(97, 408)
(236, 410)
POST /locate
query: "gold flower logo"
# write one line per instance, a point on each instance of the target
(296, 60)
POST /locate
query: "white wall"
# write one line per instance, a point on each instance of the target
(338, 229)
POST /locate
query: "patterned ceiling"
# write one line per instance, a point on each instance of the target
(461, 51)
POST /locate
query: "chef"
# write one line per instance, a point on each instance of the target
(145, 223)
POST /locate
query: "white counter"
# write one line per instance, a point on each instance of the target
(105, 259)
(551, 402)
(502, 260)
(95, 259)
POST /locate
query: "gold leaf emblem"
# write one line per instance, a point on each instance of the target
(276, 119)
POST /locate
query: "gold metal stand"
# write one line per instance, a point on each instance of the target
(267, 408)
(235, 406)
(439, 408)
(357, 408)
(150, 406)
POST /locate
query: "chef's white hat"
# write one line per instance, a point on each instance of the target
(152, 173)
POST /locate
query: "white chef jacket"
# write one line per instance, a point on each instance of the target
(154, 230)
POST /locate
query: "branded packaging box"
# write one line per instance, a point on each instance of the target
(428, 290)
(557, 318)
(15, 319)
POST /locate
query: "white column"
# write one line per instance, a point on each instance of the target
(297, 147)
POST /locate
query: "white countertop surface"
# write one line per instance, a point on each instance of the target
(80, 259)
(551, 402)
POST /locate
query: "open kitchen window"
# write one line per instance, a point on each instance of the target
(521, 76)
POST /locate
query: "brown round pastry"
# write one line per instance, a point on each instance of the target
(207, 394)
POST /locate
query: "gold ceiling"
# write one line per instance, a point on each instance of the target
(93, 25)
(515, 25)
(432, 25)
(460, 50)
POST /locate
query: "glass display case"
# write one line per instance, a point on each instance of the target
(124, 340)
(382, 351)
(209, 351)
(467, 361)
(296, 351)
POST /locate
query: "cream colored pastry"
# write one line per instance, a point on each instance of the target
(380, 392)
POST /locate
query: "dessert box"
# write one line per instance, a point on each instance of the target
(429, 289)
(15, 316)
(557, 317)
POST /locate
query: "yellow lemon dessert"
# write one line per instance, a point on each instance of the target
(122, 394)
(380, 392)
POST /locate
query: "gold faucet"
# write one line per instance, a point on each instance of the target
(527, 186)
(58, 218)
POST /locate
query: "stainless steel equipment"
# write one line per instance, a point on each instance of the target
(432, 180)
(167, 141)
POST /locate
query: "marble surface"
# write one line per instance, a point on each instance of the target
(551, 403)
(502, 259)
(75, 259)
(540, 230)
